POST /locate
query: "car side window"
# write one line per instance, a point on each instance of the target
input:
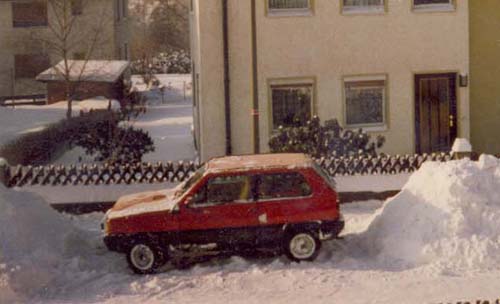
(224, 189)
(282, 185)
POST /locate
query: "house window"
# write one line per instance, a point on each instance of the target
(28, 14)
(289, 6)
(76, 7)
(355, 6)
(29, 66)
(291, 104)
(445, 5)
(79, 56)
(365, 100)
(125, 51)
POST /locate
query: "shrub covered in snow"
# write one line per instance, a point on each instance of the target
(98, 132)
(328, 140)
(175, 62)
(447, 215)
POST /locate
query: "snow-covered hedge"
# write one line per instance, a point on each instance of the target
(177, 62)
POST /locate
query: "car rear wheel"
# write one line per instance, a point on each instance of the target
(144, 258)
(302, 246)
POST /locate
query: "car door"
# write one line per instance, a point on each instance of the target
(282, 197)
(223, 210)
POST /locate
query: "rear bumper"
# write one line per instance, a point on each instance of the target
(331, 229)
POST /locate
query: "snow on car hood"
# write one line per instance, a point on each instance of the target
(144, 202)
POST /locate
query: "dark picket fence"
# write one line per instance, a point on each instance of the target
(21, 176)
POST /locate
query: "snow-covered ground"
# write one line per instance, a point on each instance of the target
(436, 242)
(19, 120)
(168, 120)
(15, 121)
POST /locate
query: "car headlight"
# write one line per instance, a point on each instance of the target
(105, 225)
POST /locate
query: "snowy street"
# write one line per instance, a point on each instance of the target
(436, 242)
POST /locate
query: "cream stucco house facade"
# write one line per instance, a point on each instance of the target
(393, 67)
(23, 24)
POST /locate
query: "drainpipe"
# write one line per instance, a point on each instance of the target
(255, 82)
(227, 92)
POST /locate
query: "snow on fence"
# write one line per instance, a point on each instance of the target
(20, 176)
(350, 171)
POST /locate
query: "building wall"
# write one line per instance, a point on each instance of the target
(56, 91)
(209, 65)
(325, 47)
(97, 13)
(485, 75)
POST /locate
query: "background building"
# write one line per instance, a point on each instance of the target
(390, 67)
(485, 75)
(24, 55)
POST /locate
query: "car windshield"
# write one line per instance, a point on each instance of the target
(324, 175)
(185, 186)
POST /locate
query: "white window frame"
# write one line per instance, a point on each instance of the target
(290, 11)
(374, 127)
(436, 7)
(355, 9)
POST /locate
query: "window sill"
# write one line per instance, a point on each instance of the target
(290, 13)
(363, 11)
(368, 128)
(434, 8)
(25, 25)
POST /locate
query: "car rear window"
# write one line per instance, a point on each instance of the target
(329, 180)
(282, 185)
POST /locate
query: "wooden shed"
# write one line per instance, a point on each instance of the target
(88, 79)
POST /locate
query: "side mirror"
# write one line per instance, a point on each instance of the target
(188, 201)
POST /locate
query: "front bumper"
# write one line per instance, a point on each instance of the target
(116, 243)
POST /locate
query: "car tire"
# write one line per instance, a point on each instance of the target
(301, 246)
(144, 258)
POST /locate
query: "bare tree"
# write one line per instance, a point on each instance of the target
(143, 47)
(159, 26)
(71, 32)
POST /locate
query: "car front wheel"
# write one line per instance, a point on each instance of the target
(302, 246)
(144, 258)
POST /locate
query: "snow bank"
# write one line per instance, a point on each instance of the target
(37, 246)
(447, 215)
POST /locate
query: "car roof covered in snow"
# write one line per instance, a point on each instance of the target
(91, 71)
(259, 161)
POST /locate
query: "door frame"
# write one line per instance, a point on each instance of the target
(453, 103)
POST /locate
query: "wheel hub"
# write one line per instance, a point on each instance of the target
(302, 246)
(142, 257)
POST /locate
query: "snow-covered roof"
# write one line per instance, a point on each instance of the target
(248, 162)
(91, 70)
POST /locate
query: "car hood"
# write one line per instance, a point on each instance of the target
(145, 202)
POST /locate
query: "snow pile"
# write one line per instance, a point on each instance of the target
(37, 246)
(447, 215)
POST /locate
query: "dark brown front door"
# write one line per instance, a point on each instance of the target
(435, 112)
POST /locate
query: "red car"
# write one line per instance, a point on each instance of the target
(282, 202)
